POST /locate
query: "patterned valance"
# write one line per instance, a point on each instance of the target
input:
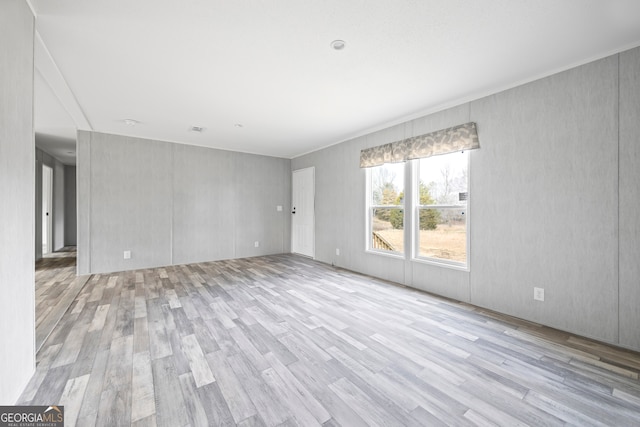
(457, 138)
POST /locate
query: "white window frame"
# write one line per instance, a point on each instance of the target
(369, 216)
(411, 219)
(415, 253)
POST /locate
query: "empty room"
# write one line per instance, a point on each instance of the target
(299, 213)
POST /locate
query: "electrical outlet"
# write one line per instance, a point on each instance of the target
(127, 254)
(538, 294)
(256, 244)
(337, 251)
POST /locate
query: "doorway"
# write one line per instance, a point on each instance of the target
(303, 212)
(47, 202)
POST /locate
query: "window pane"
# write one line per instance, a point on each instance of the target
(387, 184)
(443, 179)
(443, 234)
(387, 229)
(387, 223)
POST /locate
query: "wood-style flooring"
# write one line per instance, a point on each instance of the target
(56, 287)
(283, 341)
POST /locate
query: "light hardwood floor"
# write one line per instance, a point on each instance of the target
(283, 341)
(56, 286)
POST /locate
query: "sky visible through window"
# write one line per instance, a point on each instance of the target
(445, 176)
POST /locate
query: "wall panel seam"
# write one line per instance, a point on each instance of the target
(618, 196)
(172, 201)
(89, 184)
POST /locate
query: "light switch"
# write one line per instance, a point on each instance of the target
(279, 208)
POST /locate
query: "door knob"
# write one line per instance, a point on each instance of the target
(294, 210)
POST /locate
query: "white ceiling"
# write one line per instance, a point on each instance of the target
(267, 64)
(55, 130)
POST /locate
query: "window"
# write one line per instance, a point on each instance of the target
(386, 208)
(441, 195)
(436, 166)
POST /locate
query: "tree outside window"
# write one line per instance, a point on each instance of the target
(386, 206)
(442, 208)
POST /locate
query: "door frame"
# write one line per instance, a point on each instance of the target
(47, 209)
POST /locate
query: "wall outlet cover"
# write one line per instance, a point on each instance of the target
(256, 244)
(538, 294)
(127, 254)
(337, 251)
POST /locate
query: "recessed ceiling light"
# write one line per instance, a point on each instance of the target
(130, 122)
(238, 125)
(338, 44)
(198, 129)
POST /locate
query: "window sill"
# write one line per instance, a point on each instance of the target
(386, 253)
(442, 263)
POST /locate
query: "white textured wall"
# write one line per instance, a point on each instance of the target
(58, 205)
(38, 204)
(175, 204)
(544, 202)
(17, 185)
(629, 199)
(130, 185)
(70, 222)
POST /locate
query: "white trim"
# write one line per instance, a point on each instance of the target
(367, 209)
(48, 69)
(33, 9)
(390, 254)
(440, 206)
(469, 211)
(454, 265)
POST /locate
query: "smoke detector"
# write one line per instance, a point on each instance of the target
(338, 44)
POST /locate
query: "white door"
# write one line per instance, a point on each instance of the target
(302, 212)
(47, 190)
